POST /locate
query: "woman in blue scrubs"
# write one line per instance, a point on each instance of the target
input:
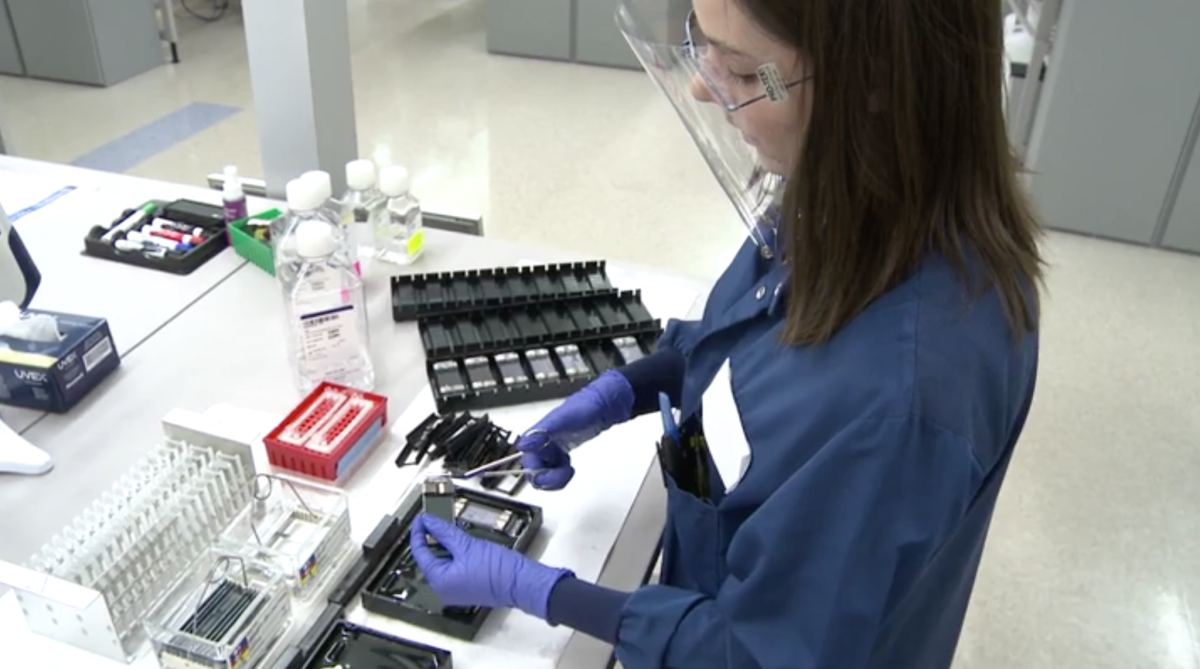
(838, 424)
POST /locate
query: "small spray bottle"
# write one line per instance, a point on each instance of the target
(233, 197)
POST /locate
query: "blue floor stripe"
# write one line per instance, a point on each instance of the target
(155, 137)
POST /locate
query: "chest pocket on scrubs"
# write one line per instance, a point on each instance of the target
(694, 540)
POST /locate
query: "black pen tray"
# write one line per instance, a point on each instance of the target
(468, 394)
(184, 263)
(334, 642)
(398, 574)
(438, 294)
(566, 321)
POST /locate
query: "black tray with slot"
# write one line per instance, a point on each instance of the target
(439, 294)
(334, 642)
(569, 321)
(397, 589)
(374, 549)
(532, 374)
(209, 218)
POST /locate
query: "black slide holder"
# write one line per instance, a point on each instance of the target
(398, 573)
(532, 353)
(444, 293)
(332, 641)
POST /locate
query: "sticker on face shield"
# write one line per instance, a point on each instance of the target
(773, 83)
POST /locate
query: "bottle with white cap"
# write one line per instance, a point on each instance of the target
(400, 236)
(328, 337)
(322, 183)
(362, 207)
(233, 197)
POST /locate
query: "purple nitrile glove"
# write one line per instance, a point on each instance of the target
(480, 573)
(589, 411)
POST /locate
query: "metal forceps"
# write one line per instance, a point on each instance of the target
(493, 468)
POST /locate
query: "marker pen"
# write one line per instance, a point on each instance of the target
(172, 235)
(167, 244)
(149, 250)
(177, 227)
(130, 222)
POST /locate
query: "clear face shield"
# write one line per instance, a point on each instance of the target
(697, 79)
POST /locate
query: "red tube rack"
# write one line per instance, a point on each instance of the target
(328, 433)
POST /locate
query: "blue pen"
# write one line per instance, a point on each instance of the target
(670, 427)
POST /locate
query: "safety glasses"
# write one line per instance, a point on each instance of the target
(730, 90)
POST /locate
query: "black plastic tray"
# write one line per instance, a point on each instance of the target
(374, 549)
(175, 263)
(438, 294)
(332, 641)
(601, 355)
(573, 321)
(459, 622)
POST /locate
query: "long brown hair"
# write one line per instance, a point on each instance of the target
(906, 154)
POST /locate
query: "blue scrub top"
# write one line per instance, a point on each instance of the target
(855, 535)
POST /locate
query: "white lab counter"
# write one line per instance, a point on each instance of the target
(136, 301)
(227, 348)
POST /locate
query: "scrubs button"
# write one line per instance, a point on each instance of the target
(777, 287)
(762, 290)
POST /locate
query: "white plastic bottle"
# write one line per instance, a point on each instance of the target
(323, 184)
(324, 299)
(400, 236)
(362, 207)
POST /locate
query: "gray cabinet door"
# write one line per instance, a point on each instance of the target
(1183, 229)
(597, 39)
(10, 56)
(127, 38)
(99, 42)
(535, 28)
(56, 40)
(1113, 120)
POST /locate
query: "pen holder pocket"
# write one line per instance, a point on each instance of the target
(691, 550)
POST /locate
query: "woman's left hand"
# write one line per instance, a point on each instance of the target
(478, 572)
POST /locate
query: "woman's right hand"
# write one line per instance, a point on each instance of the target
(589, 411)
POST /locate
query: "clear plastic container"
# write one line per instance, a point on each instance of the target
(400, 237)
(303, 528)
(228, 611)
(328, 337)
(363, 208)
(133, 542)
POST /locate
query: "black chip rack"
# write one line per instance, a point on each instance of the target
(533, 353)
(570, 321)
(417, 296)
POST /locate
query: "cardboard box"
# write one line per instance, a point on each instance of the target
(55, 376)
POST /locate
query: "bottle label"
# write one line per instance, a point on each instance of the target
(234, 210)
(329, 336)
(415, 242)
